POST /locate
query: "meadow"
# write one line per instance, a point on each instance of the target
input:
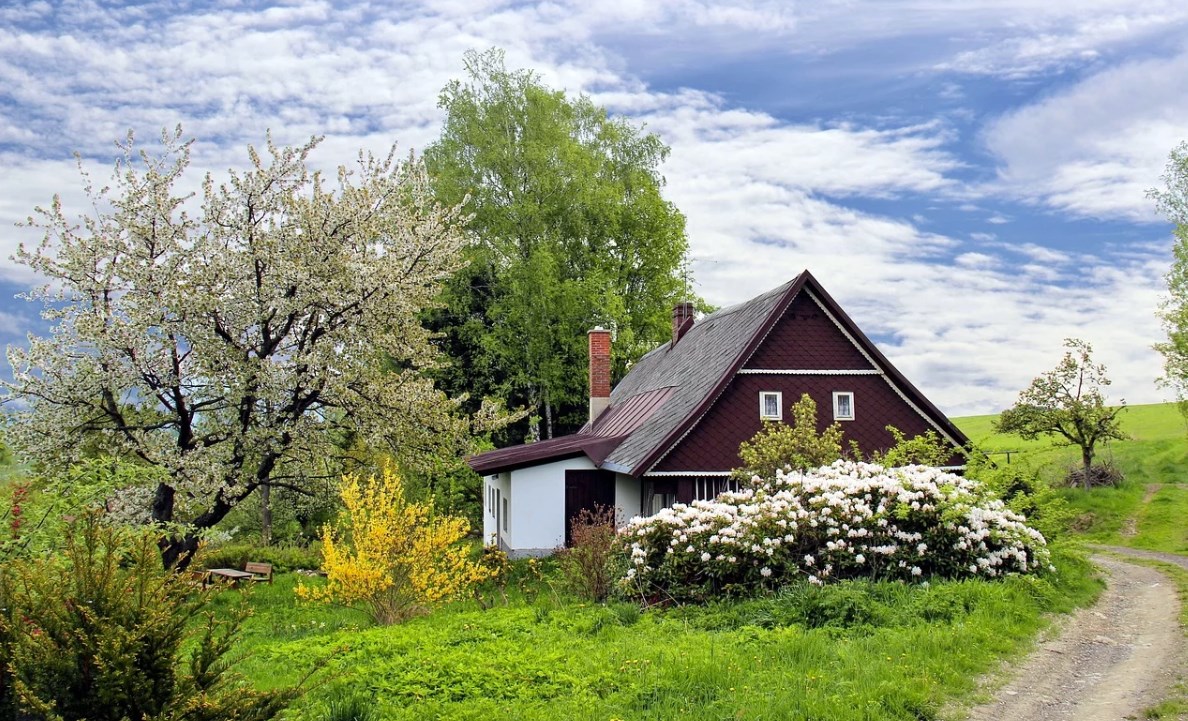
(858, 650)
(1146, 510)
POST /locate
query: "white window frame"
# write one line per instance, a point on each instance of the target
(779, 416)
(837, 415)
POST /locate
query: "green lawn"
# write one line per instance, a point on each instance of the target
(857, 651)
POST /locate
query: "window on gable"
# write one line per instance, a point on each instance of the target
(771, 406)
(843, 406)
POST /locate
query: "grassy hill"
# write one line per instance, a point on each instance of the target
(1147, 510)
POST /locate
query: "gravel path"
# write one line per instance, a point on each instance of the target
(1110, 661)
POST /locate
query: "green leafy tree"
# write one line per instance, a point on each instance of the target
(1172, 201)
(799, 447)
(1067, 403)
(235, 339)
(926, 449)
(572, 232)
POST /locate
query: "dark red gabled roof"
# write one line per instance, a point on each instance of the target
(530, 454)
(670, 389)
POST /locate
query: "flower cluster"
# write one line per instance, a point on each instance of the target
(847, 520)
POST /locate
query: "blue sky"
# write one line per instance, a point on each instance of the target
(967, 178)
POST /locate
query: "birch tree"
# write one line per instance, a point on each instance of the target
(1172, 201)
(230, 336)
(565, 203)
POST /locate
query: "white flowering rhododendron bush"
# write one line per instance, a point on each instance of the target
(847, 520)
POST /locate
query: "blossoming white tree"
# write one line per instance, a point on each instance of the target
(235, 338)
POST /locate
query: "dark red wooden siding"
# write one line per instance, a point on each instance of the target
(806, 339)
(803, 339)
(713, 443)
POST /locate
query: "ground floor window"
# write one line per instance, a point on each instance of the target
(660, 501)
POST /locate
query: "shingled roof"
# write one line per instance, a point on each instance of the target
(668, 390)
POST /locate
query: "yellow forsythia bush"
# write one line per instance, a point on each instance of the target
(394, 557)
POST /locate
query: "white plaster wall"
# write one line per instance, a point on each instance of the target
(538, 505)
(628, 496)
(501, 481)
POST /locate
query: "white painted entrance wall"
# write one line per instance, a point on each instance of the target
(538, 507)
(536, 503)
(628, 498)
(502, 482)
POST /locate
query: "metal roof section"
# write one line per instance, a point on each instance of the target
(619, 420)
(530, 454)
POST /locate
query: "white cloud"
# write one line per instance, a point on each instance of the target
(766, 197)
(1093, 149)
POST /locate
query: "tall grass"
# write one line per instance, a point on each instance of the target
(869, 651)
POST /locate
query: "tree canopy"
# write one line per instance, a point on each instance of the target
(1067, 403)
(243, 338)
(1172, 201)
(572, 232)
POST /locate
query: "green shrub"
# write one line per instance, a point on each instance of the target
(97, 633)
(845, 521)
(348, 706)
(282, 558)
(1025, 493)
(585, 565)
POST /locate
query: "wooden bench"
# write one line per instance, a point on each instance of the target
(259, 571)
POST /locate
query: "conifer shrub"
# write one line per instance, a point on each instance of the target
(846, 520)
(98, 633)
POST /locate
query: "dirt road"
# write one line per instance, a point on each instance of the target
(1109, 662)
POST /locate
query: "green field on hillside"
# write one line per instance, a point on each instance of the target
(1147, 509)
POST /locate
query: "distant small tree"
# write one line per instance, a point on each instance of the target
(395, 557)
(798, 446)
(1067, 403)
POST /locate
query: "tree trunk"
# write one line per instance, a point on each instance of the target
(548, 418)
(1087, 460)
(178, 550)
(266, 515)
(176, 553)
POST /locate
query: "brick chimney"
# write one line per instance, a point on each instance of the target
(600, 371)
(682, 320)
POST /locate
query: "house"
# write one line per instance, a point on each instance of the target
(670, 431)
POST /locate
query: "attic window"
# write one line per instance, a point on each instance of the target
(771, 405)
(843, 406)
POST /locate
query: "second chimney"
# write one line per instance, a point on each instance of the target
(600, 371)
(682, 320)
